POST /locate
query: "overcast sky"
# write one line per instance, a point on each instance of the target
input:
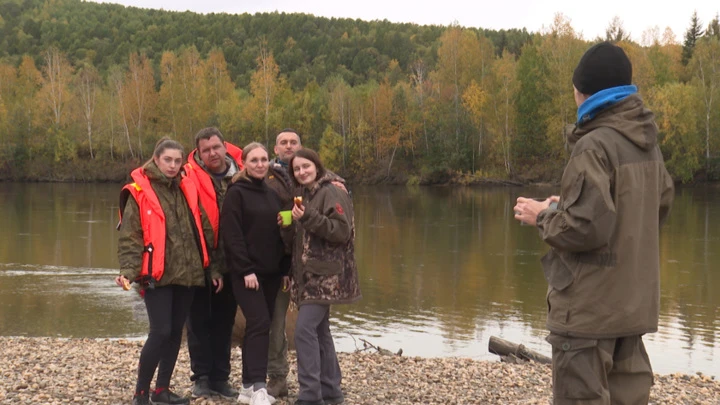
(589, 17)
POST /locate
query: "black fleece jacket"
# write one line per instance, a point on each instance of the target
(249, 230)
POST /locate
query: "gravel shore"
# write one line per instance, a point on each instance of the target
(87, 371)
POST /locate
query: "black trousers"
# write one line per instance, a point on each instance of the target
(257, 307)
(209, 327)
(167, 308)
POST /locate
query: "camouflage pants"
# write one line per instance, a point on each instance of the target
(277, 352)
(600, 371)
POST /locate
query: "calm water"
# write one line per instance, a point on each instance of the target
(442, 270)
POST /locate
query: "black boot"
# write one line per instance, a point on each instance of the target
(201, 388)
(167, 397)
(141, 398)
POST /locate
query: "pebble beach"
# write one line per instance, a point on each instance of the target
(90, 371)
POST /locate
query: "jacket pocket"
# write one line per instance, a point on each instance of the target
(577, 365)
(557, 272)
(323, 267)
(573, 192)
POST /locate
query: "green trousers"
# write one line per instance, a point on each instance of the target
(600, 371)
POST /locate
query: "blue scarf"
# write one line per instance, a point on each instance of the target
(281, 163)
(602, 100)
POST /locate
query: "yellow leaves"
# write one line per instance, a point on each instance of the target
(265, 85)
(474, 99)
(55, 93)
(331, 149)
(643, 70)
(7, 84)
(560, 27)
(560, 54)
(676, 109)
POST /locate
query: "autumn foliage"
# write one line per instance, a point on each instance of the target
(382, 102)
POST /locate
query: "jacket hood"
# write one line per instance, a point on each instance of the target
(250, 183)
(328, 177)
(629, 117)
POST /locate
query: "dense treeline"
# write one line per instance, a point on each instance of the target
(86, 89)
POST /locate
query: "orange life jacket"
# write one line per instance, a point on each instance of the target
(208, 196)
(152, 220)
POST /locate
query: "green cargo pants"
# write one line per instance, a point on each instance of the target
(600, 371)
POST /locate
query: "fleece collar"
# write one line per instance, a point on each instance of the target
(602, 100)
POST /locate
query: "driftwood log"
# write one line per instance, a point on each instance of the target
(512, 352)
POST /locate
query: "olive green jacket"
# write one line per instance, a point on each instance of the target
(183, 260)
(323, 258)
(603, 269)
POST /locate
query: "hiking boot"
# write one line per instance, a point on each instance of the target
(141, 398)
(260, 397)
(201, 388)
(246, 395)
(164, 396)
(224, 389)
(334, 400)
(277, 387)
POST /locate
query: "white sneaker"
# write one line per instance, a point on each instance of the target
(261, 397)
(247, 394)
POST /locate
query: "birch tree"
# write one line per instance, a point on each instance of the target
(87, 83)
(705, 66)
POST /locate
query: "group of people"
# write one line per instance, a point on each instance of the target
(203, 237)
(602, 268)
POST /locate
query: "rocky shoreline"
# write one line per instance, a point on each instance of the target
(89, 371)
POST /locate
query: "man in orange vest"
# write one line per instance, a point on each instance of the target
(212, 315)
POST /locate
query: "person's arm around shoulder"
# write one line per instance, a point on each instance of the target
(332, 219)
(337, 181)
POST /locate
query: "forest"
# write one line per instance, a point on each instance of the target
(86, 90)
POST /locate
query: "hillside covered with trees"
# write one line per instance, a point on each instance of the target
(86, 90)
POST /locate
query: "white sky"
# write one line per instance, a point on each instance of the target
(587, 16)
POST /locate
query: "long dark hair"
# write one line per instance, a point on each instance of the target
(310, 155)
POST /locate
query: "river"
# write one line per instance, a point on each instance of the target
(442, 269)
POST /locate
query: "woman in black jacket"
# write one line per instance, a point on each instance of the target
(254, 250)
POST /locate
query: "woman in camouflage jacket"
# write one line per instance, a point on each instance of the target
(324, 273)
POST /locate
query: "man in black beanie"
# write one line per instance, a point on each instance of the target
(603, 267)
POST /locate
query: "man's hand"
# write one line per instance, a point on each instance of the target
(285, 283)
(251, 282)
(339, 185)
(527, 209)
(218, 284)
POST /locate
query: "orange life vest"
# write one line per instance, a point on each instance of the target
(152, 220)
(206, 189)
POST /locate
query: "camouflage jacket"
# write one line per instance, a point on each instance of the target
(278, 179)
(324, 269)
(183, 262)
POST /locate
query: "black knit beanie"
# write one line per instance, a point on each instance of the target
(603, 66)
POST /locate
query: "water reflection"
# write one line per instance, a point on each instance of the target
(442, 270)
